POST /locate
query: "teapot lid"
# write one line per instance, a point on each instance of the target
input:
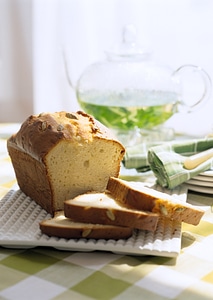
(128, 47)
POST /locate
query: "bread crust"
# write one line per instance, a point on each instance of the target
(101, 208)
(32, 179)
(31, 147)
(69, 229)
(39, 133)
(154, 201)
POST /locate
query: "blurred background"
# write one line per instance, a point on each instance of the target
(33, 34)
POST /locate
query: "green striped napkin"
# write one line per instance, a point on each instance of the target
(136, 158)
(166, 160)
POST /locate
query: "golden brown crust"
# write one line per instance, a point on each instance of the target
(52, 152)
(39, 133)
(69, 229)
(157, 202)
(130, 197)
(103, 209)
(28, 172)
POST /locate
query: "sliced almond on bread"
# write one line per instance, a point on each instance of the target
(62, 227)
(148, 199)
(101, 208)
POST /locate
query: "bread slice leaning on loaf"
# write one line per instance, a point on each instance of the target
(62, 227)
(57, 156)
(101, 208)
(148, 199)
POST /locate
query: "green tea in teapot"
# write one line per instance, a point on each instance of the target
(133, 94)
(131, 108)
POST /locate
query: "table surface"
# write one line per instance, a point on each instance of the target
(48, 273)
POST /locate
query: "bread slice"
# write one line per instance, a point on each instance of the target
(101, 208)
(148, 199)
(57, 156)
(62, 227)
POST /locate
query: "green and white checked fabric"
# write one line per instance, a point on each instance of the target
(166, 160)
(136, 158)
(46, 273)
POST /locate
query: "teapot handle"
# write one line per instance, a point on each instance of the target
(206, 82)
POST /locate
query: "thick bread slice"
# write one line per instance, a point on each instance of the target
(101, 208)
(145, 198)
(62, 227)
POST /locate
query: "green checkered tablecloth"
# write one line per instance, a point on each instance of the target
(47, 273)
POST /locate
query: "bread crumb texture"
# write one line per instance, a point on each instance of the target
(74, 153)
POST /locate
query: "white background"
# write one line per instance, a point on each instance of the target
(33, 33)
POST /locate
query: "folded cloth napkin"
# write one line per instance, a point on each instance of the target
(136, 158)
(166, 160)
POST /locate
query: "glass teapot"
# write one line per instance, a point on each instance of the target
(129, 92)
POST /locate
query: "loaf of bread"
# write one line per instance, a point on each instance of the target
(148, 199)
(62, 227)
(57, 156)
(101, 208)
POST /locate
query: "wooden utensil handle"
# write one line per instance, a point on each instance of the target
(197, 159)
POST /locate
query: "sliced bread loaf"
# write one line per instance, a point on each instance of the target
(148, 199)
(57, 156)
(62, 227)
(101, 208)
